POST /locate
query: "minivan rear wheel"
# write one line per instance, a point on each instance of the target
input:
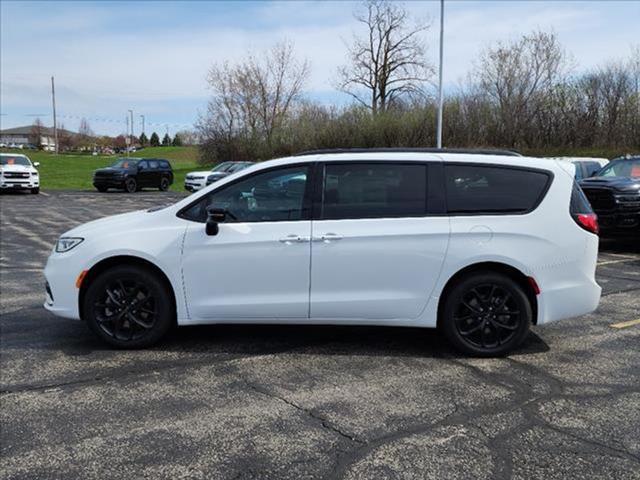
(486, 314)
(128, 307)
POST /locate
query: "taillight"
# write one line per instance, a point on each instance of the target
(588, 221)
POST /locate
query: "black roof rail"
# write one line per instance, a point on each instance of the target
(476, 151)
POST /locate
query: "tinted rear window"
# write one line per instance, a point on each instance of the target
(579, 202)
(478, 189)
(376, 190)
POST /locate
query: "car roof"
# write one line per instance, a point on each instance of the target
(412, 156)
(13, 155)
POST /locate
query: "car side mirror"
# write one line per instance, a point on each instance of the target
(214, 217)
(36, 164)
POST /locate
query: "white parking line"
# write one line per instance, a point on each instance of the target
(609, 262)
(45, 194)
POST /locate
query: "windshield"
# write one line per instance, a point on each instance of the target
(222, 167)
(14, 160)
(124, 163)
(621, 168)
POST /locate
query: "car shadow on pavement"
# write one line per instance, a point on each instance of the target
(322, 340)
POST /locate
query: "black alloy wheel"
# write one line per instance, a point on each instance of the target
(128, 307)
(164, 184)
(486, 315)
(130, 185)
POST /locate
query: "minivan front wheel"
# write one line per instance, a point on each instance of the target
(486, 315)
(128, 307)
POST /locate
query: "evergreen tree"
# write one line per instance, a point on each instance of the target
(155, 140)
(177, 141)
(143, 140)
(166, 140)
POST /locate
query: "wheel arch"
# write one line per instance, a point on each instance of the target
(491, 266)
(129, 260)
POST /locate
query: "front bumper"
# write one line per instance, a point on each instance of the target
(19, 183)
(194, 185)
(61, 294)
(619, 223)
(115, 182)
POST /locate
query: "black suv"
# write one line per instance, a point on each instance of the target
(133, 174)
(614, 194)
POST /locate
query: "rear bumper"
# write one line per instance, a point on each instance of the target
(568, 301)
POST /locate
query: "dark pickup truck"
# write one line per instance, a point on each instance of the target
(133, 174)
(614, 194)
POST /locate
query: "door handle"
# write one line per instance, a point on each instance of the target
(327, 238)
(289, 239)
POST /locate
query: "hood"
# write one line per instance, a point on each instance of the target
(621, 184)
(113, 170)
(199, 174)
(17, 168)
(108, 225)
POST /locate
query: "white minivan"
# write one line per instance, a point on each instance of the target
(480, 245)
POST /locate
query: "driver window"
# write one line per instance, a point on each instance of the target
(276, 195)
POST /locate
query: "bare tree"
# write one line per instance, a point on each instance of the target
(388, 61)
(517, 74)
(37, 130)
(254, 97)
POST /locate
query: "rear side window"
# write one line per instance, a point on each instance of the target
(579, 202)
(484, 189)
(375, 190)
(153, 164)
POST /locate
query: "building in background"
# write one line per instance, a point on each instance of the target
(31, 136)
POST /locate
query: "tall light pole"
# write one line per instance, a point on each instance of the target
(127, 138)
(142, 117)
(440, 95)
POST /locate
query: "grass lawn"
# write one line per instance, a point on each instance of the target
(75, 172)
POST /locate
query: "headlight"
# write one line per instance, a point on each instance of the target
(64, 244)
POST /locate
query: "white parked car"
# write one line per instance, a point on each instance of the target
(195, 181)
(585, 166)
(480, 246)
(18, 173)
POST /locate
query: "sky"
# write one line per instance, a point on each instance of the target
(152, 57)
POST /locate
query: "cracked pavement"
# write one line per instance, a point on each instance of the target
(305, 402)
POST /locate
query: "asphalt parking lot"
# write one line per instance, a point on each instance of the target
(305, 402)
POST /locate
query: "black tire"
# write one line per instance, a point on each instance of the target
(128, 307)
(102, 189)
(486, 315)
(164, 184)
(130, 185)
(35, 191)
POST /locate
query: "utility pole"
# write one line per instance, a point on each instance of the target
(131, 114)
(440, 96)
(142, 116)
(127, 137)
(167, 125)
(55, 125)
